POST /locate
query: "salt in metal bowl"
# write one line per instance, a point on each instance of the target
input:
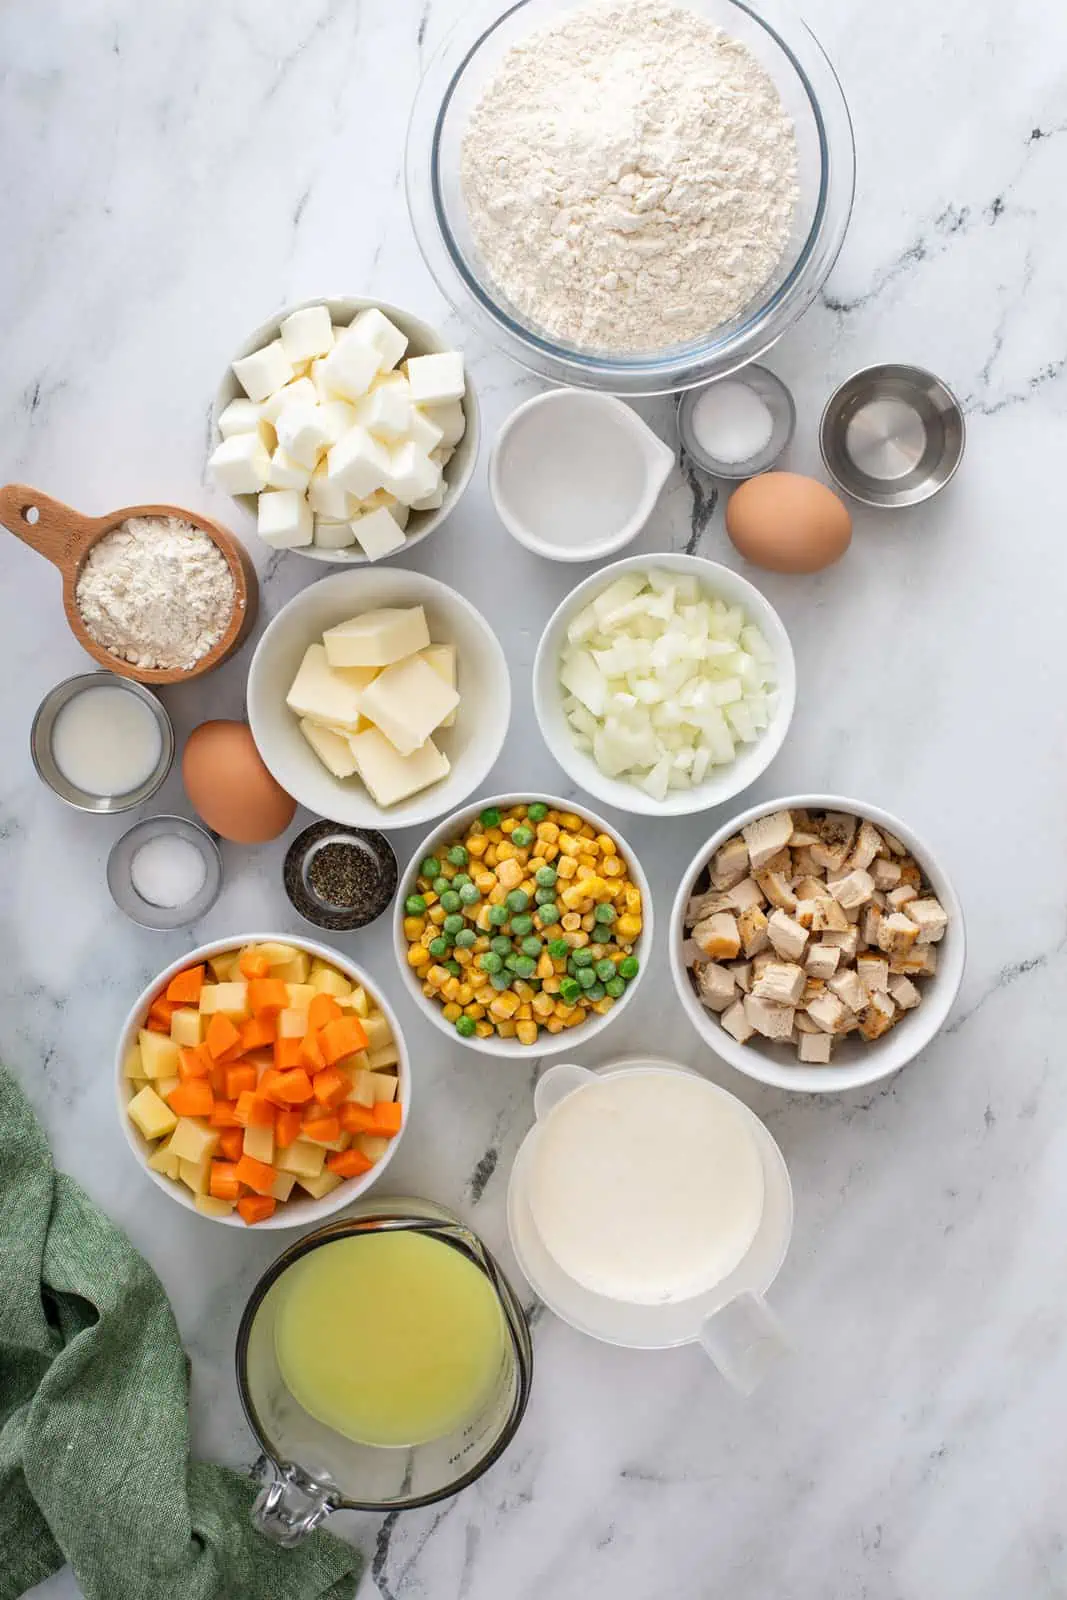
(779, 402)
(134, 905)
(892, 435)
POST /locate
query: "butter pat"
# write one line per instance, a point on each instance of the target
(240, 416)
(410, 474)
(307, 333)
(301, 392)
(424, 434)
(240, 464)
(326, 694)
(378, 533)
(285, 473)
(284, 519)
(264, 371)
(386, 412)
(442, 658)
(391, 777)
(451, 420)
(373, 328)
(328, 497)
(330, 535)
(349, 369)
(407, 702)
(436, 379)
(338, 416)
(332, 749)
(303, 433)
(359, 463)
(377, 638)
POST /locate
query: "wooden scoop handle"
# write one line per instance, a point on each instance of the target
(53, 529)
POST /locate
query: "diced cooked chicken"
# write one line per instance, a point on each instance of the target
(903, 992)
(718, 937)
(870, 923)
(886, 873)
(919, 962)
(853, 890)
(828, 1013)
(745, 894)
(809, 887)
(752, 926)
(804, 831)
(878, 1017)
(772, 1021)
(788, 937)
(804, 866)
(804, 912)
(815, 1049)
(781, 982)
(802, 1023)
(822, 960)
(909, 873)
(894, 843)
(730, 864)
(847, 941)
(932, 920)
(742, 971)
(766, 836)
(849, 989)
(897, 933)
(702, 906)
(776, 887)
(737, 1024)
(836, 833)
(868, 845)
(829, 916)
(716, 986)
(873, 972)
(760, 962)
(899, 897)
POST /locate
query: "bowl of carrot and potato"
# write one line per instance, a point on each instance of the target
(263, 1081)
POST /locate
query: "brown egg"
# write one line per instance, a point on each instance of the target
(230, 788)
(788, 523)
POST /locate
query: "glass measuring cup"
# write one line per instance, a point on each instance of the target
(730, 1319)
(307, 1469)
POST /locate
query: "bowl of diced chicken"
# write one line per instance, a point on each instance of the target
(816, 943)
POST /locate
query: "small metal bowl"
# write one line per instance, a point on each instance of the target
(44, 761)
(779, 402)
(296, 876)
(892, 435)
(134, 905)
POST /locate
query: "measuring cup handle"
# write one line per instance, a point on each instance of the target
(56, 531)
(556, 1084)
(745, 1340)
(290, 1505)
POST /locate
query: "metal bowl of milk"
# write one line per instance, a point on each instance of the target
(101, 742)
(650, 1208)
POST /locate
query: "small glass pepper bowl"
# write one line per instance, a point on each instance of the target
(313, 858)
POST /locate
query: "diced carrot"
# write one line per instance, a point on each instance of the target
(253, 965)
(232, 1143)
(324, 1129)
(349, 1163)
(267, 995)
(311, 1055)
(162, 1009)
(223, 1182)
(258, 1175)
(256, 1207)
(293, 1088)
(287, 1053)
(257, 1032)
(223, 1115)
(184, 988)
(238, 1079)
(194, 1061)
(323, 1009)
(192, 1098)
(357, 1119)
(331, 1086)
(222, 1036)
(342, 1038)
(252, 1111)
(219, 1069)
(268, 1085)
(156, 1024)
(287, 1127)
(388, 1117)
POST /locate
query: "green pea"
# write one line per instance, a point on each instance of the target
(490, 817)
(501, 981)
(518, 900)
(465, 1027)
(502, 945)
(549, 914)
(569, 991)
(615, 987)
(458, 856)
(438, 947)
(521, 926)
(583, 958)
(453, 924)
(543, 896)
(605, 914)
(537, 812)
(511, 961)
(441, 885)
(629, 967)
(559, 949)
(546, 877)
(465, 938)
(531, 946)
(524, 967)
(450, 901)
(430, 868)
(586, 977)
(605, 970)
(595, 991)
(498, 915)
(489, 961)
(460, 879)
(469, 894)
(521, 837)
(415, 905)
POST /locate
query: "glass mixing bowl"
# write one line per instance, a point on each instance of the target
(453, 85)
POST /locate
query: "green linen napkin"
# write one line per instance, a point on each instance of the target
(94, 1432)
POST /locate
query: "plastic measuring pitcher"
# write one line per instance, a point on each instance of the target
(729, 1318)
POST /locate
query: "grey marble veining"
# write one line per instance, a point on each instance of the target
(176, 172)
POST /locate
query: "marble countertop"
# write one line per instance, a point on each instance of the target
(179, 172)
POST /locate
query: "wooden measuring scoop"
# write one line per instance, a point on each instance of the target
(65, 537)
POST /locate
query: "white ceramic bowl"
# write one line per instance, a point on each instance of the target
(548, 1044)
(855, 1063)
(472, 745)
(422, 341)
(301, 1212)
(722, 783)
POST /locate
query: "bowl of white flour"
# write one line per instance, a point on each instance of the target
(633, 195)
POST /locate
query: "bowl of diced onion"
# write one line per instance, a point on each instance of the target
(664, 684)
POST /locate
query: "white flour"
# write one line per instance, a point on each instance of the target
(157, 592)
(630, 175)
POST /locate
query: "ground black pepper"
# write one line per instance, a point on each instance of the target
(340, 878)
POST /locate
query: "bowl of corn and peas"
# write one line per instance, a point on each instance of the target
(520, 922)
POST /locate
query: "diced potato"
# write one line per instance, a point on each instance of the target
(277, 955)
(320, 1185)
(196, 1175)
(362, 1091)
(372, 1145)
(151, 1115)
(342, 1141)
(212, 1206)
(165, 1086)
(222, 966)
(378, 1032)
(225, 999)
(356, 1000)
(187, 1027)
(161, 1160)
(259, 1144)
(132, 1066)
(159, 1054)
(292, 1024)
(301, 995)
(193, 1141)
(384, 1085)
(283, 1186)
(360, 1062)
(302, 1158)
(387, 1056)
(327, 980)
(296, 970)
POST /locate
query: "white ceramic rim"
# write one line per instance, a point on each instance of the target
(582, 769)
(302, 1213)
(654, 481)
(342, 309)
(548, 1044)
(939, 992)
